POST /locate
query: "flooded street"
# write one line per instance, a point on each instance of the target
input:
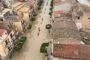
(31, 49)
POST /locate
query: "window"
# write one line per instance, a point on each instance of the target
(6, 42)
(11, 35)
(1, 19)
(78, 17)
(89, 18)
(6, 33)
(9, 48)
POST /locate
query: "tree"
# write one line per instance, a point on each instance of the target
(21, 42)
(40, 2)
(30, 26)
(44, 47)
(34, 14)
(33, 19)
(50, 13)
(39, 8)
(51, 8)
(48, 26)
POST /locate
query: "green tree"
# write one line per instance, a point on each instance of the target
(44, 47)
(48, 26)
(21, 42)
(30, 26)
(33, 19)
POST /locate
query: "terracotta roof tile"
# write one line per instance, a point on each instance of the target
(72, 51)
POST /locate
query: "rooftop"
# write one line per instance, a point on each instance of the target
(5, 11)
(64, 22)
(5, 26)
(85, 8)
(65, 31)
(13, 18)
(21, 7)
(1, 6)
(85, 2)
(60, 7)
(72, 51)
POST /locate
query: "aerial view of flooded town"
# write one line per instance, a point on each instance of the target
(44, 29)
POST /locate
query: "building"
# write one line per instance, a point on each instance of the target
(22, 9)
(82, 21)
(10, 19)
(65, 32)
(1, 6)
(32, 3)
(4, 12)
(85, 2)
(8, 3)
(58, 7)
(69, 31)
(85, 19)
(71, 52)
(15, 22)
(6, 43)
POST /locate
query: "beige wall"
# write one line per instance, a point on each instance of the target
(3, 48)
(22, 10)
(26, 17)
(18, 26)
(86, 22)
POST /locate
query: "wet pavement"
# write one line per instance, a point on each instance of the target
(31, 49)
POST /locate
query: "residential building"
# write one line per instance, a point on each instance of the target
(32, 3)
(1, 6)
(6, 43)
(71, 52)
(23, 10)
(85, 19)
(4, 12)
(82, 21)
(65, 32)
(58, 7)
(7, 3)
(85, 2)
(15, 22)
(11, 18)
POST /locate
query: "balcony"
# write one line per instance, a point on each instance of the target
(15, 37)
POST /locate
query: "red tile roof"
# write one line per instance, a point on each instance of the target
(58, 12)
(72, 51)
